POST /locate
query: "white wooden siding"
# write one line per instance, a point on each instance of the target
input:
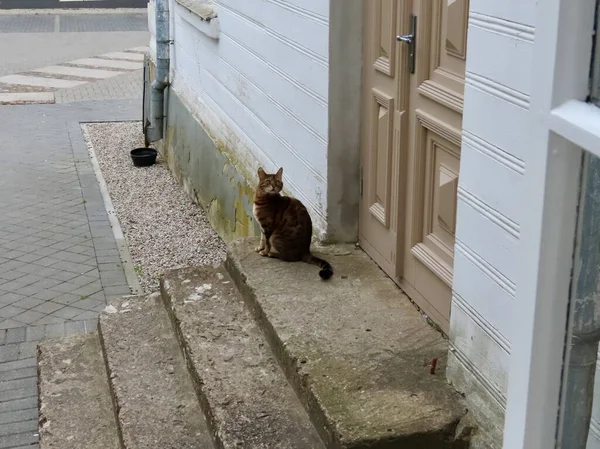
(493, 160)
(264, 83)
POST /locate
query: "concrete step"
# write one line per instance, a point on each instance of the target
(152, 392)
(242, 390)
(75, 403)
(355, 349)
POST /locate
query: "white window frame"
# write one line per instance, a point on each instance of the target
(562, 125)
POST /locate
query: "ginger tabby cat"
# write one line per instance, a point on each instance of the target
(285, 224)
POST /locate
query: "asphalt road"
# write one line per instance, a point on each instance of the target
(69, 4)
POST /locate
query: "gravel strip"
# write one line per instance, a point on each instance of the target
(164, 229)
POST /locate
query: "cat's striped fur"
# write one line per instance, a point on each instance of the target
(285, 224)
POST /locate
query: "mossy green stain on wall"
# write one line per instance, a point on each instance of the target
(208, 171)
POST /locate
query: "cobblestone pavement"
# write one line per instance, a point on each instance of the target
(128, 86)
(40, 85)
(58, 258)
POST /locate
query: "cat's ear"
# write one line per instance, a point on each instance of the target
(261, 173)
(279, 174)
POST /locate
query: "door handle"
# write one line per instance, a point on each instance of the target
(408, 38)
(411, 40)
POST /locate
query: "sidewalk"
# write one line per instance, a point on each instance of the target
(58, 258)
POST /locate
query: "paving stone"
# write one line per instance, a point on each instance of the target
(46, 283)
(46, 262)
(48, 307)
(27, 349)
(99, 296)
(11, 265)
(49, 319)
(19, 415)
(15, 394)
(74, 327)
(12, 275)
(55, 330)
(67, 298)
(10, 311)
(8, 298)
(91, 325)
(66, 287)
(20, 439)
(46, 246)
(30, 426)
(64, 276)
(13, 254)
(29, 257)
(47, 295)
(66, 313)
(29, 317)
(15, 365)
(117, 290)
(15, 335)
(87, 315)
(13, 286)
(108, 259)
(8, 324)
(30, 290)
(9, 353)
(16, 384)
(35, 333)
(86, 304)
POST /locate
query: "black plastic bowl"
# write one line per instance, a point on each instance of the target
(143, 157)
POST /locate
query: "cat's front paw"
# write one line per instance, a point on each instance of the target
(264, 253)
(258, 249)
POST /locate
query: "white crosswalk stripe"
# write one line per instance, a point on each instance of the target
(79, 71)
(54, 77)
(124, 55)
(108, 63)
(27, 80)
(26, 97)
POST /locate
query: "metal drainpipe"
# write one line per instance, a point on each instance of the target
(161, 79)
(585, 312)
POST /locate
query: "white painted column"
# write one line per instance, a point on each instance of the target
(551, 181)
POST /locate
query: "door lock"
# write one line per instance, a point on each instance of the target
(411, 40)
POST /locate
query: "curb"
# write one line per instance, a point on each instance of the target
(128, 267)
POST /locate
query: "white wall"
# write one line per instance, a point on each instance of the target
(262, 87)
(494, 157)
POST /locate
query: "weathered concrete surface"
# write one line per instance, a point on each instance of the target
(152, 392)
(355, 349)
(75, 404)
(244, 393)
(208, 170)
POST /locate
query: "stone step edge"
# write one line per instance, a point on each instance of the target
(198, 383)
(111, 387)
(286, 361)
(109, 372)
(460, 431)
(43, 349)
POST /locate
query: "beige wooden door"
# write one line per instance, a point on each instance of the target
(425, 154)
(386, 78)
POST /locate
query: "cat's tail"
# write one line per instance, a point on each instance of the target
(326, 268)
